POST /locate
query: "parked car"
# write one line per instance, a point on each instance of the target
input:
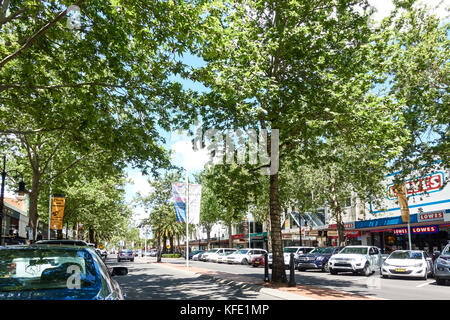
(222, 257)
(125, 254)
(153, 252)
(357, 259)
(316, 259)
(49, 272)
(287, 254)
(196, 256)
(258, 261)
(193, 253)
(102, 253)
(442, 266)
(63, 242)
(211, 255)
(407, 263)
(244, 256)
(67, 242)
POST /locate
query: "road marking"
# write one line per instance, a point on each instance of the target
(424, 284)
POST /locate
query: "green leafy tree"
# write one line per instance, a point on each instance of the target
(303, 68)
(68, 94)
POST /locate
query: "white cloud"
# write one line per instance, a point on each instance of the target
(185, 155)
(140, 184)
(384, 7)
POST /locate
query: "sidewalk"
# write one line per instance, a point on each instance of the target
(299, 292)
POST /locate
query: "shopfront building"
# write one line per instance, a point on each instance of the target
(259, 240)
(429, 232)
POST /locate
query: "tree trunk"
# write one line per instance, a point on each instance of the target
(33, 208)
(164, 249)
(267, 227)
(230, 237)
(91, 235)
(278, 267)
(337, 210)
(158, 248)
(208, 238)
(171, 244)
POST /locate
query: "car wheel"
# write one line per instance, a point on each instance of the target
(333, 271)
(326, 268)
(132, 260)
(385, 276)
(440, 281)
(366, 270)
(244, 261)
(301, 269)
(425, 277)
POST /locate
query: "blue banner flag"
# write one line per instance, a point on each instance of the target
(179, 199)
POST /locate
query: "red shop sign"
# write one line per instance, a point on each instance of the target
(436, 215)
(352, 234)
(237, 236)
(417, 230)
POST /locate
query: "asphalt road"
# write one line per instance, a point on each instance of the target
(372, 286)
(150, 281)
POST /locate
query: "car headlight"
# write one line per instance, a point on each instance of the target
(386, 264)
(418, 265)
(320, 258)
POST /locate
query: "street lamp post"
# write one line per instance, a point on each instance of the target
(21, 192)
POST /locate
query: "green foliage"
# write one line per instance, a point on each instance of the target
(171, 255)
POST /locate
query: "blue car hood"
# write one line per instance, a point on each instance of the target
(53, 294)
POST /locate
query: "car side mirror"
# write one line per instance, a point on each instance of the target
(119, 271)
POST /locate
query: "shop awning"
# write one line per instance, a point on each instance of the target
(389, 221)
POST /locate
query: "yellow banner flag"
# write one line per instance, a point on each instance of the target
(403, 202)
(58, 203)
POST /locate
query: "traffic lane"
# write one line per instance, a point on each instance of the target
(147, 281)
(372, 286)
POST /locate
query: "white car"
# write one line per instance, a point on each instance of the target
(287, 254)
(211, 255)
(222, 257)
(244, 256)
(357, 259)
(407, 263)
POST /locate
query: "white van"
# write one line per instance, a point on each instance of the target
(211, 255)
(244, 256)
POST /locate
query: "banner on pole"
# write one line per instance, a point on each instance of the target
(195, 197)
(58, 202)
(179, 199)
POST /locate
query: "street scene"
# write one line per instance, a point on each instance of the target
(258, 151)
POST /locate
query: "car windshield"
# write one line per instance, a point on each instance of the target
(241, 251)
(405, 255)
(212, 251)
(289, 250)
(46, 268)
(446, 251)
(322, 250)
(354, 250)
(126, 251)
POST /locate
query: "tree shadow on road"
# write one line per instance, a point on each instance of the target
(168, 287)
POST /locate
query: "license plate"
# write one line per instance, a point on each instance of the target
(400, 270)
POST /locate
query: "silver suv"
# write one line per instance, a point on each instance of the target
(357, 259)
(442, 266)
